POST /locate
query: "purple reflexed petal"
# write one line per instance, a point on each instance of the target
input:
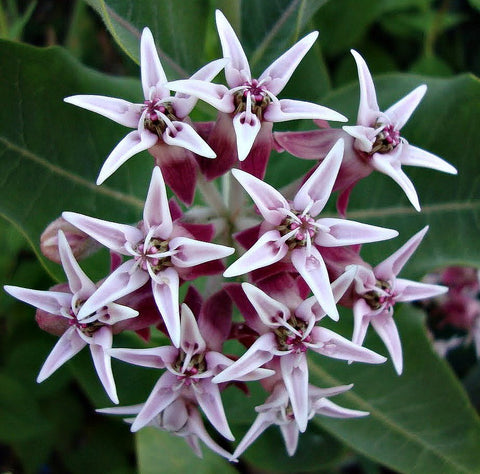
(414, 156)
(395, 172)
(186, 137)
(361, 317)
(345, 232)
(184, 103)
(257, 159)
(412, 291)
(208, 397)
(78, 282)
(120, 283)
(246, 126)
(392, 266)
(295, 377)
(288, 109)
(50, 301)
(165, 291)
(290, 437)
(117, 313)
(260, 352)
(196, 427)
(271, 204)
(343, 199)
(387, 330)
(267, 250)
(401, 111)
(101, 342)
(368, 108)
(319, 185)
(190, 252)
(217, 95)
(156, 212)
(279, 72)
(151, 69)
(327, 408)
(112, 235)
(191, 341)
(237, 71)
(155, 357)
(66, 347)
(313, 270)
(215, 319)
(133, 143)
(270, 311)
(333, 345)
(162, 395)
(119, 110)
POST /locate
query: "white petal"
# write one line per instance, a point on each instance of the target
(414, 156)
(190, 252)
(50, 301)
(288, 109)
(186, 137)
(246, 126)
(151, 68)
(401, 111)
(388, 332)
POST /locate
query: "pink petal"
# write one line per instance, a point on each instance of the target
(260, 352)
(237, 71)
(67, 346)
(133, 143)
(152, 72)
(190, 252)
(114, 236)
(271, 204)
(414, 156)
(246, 126)
(266, 251)
(155, 357)
(413, 291)
(295, 377)
(50, 301)
(118, 110)
(392, 266)
(401, 111)
(313, 270)
(316, 191)
(186, 137)
(101, 342)
(387, 330)
(156, 212)
(368, 108)
(279, 72)
(288, 109)
(119, 283)
(208, 397)
(345, 232)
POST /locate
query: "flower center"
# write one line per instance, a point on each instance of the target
(386, 140)
(301, 226)
(158, 115)
(289, 341)
(87, 328)
(377, 299)
(196, 365)
(153, 255)
(259, 97)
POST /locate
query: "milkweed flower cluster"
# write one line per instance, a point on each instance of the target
(296, 267)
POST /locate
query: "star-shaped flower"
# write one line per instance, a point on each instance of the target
(93, 327)
(377, 292)
(250, 101)
(162, 250)
(292, 228)
(160, 119)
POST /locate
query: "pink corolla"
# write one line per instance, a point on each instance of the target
(292, 230)
(377, 291)
(287, 330)
(163, 251)
(277, 410)
(190, 370)
(161, 120)
(251, 104)
(374, 143)
(93, 328)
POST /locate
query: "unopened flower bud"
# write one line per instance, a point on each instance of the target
(81, 244)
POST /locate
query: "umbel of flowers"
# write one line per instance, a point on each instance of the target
(294, 268)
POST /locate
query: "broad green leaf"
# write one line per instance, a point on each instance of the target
(51, 152)
(159, 451)
(420, 422)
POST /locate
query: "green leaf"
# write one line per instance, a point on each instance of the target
(160, 451)
(51, 152)
(420, 422)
